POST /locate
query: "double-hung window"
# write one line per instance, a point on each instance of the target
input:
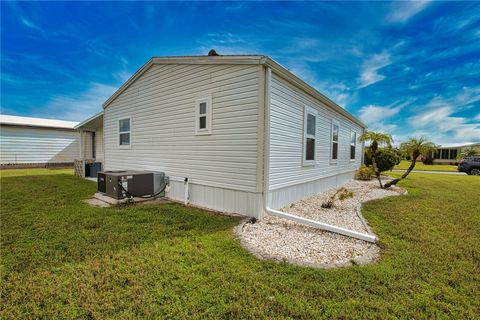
(203, 116)
(353, 144)
(124, 132)
(309, 136)
(335, 133)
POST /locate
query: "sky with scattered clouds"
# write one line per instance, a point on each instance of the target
(408, 68)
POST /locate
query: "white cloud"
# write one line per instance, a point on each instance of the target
(370, 67)
(122, 76)
(439, 123)
(29, 24)
(78, 107)
(371, 114)
(402, 11)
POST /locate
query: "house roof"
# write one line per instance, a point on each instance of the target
(36, 122)
(92, 122)
(237, 59)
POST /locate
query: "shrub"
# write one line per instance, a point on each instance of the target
(345, 194)
(427, 160)
(364, 173)
(387, 158)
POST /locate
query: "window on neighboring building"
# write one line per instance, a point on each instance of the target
(453, 154)
(445, 153)
(124, 132)
(203, 116)
(335, 133)
(309, 135)
(353, 144)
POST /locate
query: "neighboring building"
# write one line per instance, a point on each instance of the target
(448, 155)
(243, 129)
(37, 142)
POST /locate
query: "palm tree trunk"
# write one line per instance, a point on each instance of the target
(374, 162)
(410, 168)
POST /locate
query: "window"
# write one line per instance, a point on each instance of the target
(444, 153)
(203, 116)
(309, 135)
(453, 154)
(353, 144)
(124, 131)
(335, 131)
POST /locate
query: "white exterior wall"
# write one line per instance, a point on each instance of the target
(99, 154)
(22, 145)
(289, 179)
(221, 167)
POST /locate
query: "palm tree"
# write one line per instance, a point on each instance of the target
(376, 139)
(467, 152)
(415, 147)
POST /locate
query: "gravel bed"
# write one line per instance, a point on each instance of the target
(284, 240)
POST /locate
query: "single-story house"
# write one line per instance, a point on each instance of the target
(448, 155)
(37, 142)
(232, 132)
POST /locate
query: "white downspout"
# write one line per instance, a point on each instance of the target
(266, 192)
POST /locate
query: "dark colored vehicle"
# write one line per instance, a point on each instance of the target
(470, 165)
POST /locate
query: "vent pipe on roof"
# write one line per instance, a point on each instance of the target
(212, 53)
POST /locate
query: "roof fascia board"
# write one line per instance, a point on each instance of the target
(290, 77)
(81, 124)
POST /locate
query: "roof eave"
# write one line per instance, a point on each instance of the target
(289, 76)
(81, 124)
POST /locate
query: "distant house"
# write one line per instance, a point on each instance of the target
(448, 155)
(242, 130)
(37, 142)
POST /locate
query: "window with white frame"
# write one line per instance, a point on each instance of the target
(124, 132)
(309, 135)
(335, 133)
(353, 144)
(203, 116)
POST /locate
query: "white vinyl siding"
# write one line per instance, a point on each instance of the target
(287, 127)
(161, 103)
(22, 145)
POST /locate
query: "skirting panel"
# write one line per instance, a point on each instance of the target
(225, 200)
(279, 198)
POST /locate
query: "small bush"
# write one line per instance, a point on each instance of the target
(364, 173)
(345, 194)
(387, 158)
(427, 160)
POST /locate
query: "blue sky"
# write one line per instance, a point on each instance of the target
(408, 68)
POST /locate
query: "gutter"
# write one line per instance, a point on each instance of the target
(266, 191)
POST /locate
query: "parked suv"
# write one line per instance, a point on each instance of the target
(470, 165)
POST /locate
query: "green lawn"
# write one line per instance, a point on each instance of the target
(403, 165)
(64, 259)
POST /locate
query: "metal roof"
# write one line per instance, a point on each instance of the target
(36, 122)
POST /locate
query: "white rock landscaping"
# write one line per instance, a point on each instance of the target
(284, 240)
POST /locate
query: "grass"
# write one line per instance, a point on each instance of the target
(64, 259)
(403, 165)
